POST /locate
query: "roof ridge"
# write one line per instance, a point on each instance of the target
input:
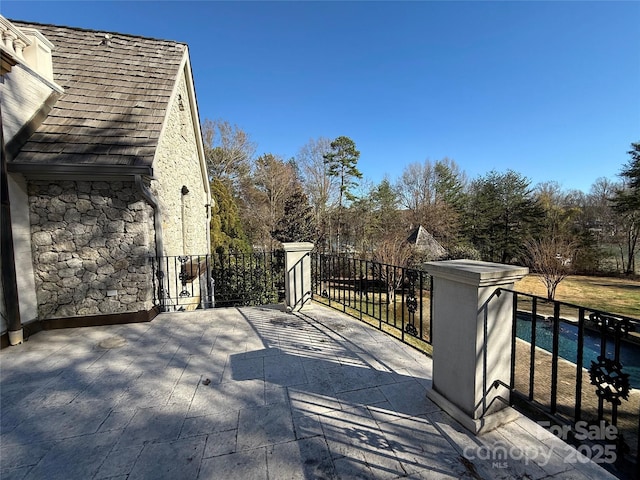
(91, 30)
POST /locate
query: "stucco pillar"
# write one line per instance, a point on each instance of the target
(21, 226)
(471, 336)
(297, 276)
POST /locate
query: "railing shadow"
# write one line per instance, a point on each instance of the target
(371, 412)
(232, 393)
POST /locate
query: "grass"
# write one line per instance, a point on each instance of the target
(610, 294)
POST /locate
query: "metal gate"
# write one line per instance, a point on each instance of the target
(188, 282)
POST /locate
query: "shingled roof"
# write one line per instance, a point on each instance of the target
(116, 93)
(426, 243)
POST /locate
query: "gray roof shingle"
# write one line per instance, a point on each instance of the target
(115, 98)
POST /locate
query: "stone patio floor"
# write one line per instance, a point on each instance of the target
(248, 393)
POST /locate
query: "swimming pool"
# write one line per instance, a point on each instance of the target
(568, 342)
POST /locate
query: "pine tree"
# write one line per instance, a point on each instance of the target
(342, 162)
(502, 214)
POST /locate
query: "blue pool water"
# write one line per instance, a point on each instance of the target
(568, 343)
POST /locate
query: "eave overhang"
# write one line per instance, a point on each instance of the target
(85, 172)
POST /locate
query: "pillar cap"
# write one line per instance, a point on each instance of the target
(474, 272)
(297, 246)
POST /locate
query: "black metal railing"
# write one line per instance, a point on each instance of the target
(185, 282)
(578, 369)
(245, 279)
(395, 299)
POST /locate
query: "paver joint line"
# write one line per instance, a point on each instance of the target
(239, 393)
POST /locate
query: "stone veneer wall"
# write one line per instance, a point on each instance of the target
(176, 165)
(89, 238)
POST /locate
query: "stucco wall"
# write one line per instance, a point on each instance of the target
(91, 243)
(184, 217)
(22, 95)
(21, 230)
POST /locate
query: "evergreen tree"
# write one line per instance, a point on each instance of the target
(227, 234)
(297, 223)
(341, 163)
(387, 220)
(502, 213)
(449, 183)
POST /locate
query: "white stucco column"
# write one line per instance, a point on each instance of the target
(471, 336)
(21, 226)
(297, 276)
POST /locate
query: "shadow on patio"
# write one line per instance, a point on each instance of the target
(245, 393)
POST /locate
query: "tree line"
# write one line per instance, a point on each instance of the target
(319, 195)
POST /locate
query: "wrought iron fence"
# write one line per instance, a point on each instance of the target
(395, 299)
(187, 282)
(245, 279)
(578, 369)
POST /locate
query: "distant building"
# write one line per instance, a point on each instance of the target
(424, 243)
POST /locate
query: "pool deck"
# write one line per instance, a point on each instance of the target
(248, 393)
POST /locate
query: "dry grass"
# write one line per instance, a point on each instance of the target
(610, 294)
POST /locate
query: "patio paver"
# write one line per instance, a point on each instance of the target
(246, 393)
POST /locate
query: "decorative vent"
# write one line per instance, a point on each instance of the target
(106, 40)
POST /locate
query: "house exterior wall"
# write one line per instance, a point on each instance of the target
(22, 94)
(91, 247)
(21, 231)
(185, 222)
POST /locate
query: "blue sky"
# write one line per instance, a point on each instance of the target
(548, 89)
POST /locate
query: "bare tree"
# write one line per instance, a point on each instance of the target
(600, 216)
(417, 188)
(626, 204)
(228, 150)
(551, 199)
(273, 181)
(553, 259)
(393, 253)
(432, 193)
(320, 187)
